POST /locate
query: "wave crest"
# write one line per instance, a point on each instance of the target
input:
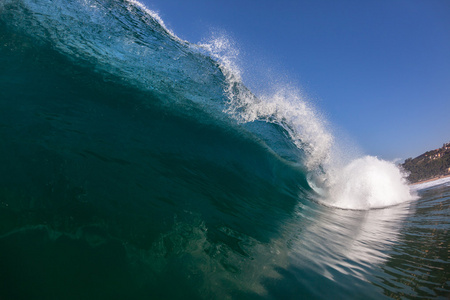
(131, 43)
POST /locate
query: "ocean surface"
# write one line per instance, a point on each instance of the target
(136, 165)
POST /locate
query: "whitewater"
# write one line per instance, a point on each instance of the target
(139, 165)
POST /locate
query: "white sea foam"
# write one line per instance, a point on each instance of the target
(421, 186)
(366, 183)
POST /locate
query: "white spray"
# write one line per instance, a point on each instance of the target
(361, 183)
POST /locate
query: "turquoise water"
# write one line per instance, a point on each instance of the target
(137, 165)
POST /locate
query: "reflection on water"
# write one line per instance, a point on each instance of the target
(324, 253)
(348, 242)
(400, 251)
(321, 252)
(334, 252)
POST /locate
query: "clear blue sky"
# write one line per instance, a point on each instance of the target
(379, 70)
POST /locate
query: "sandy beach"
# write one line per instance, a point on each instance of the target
(430, 180)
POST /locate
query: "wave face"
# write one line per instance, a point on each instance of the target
(134, 162)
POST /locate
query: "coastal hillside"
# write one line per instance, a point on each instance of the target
(431, 164)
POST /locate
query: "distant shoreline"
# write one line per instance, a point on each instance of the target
(431, 179)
